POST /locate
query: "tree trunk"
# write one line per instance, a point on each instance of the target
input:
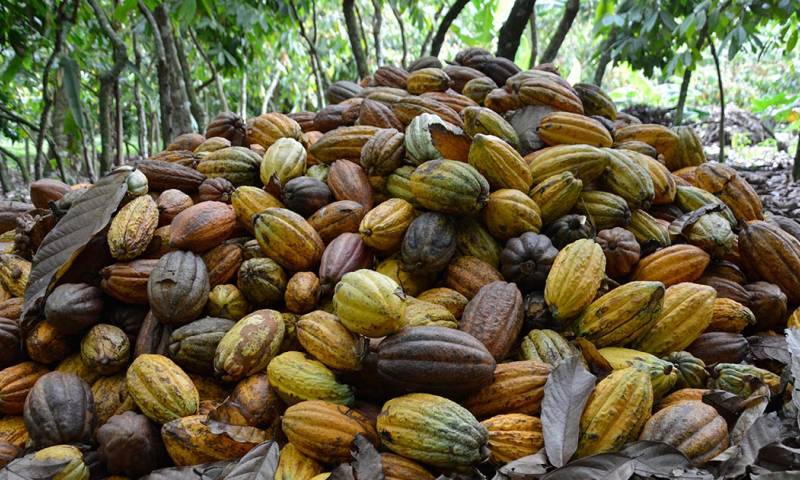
(59, 160)
(65, 15)
(88, 163)
(348, 6)
(223, 101)
(181, 121)
(687, 77)
(313, 55)
(194, 104)
(399, 17)
(119, 130)
(141, 115)
(108, 81)
(377, 20)
(243, 103)
(23, 171)
(564, 26)
(424, 47)
(165, 105)
(721, 158)
(4, 176)
(511, 32)
(449, 18)
(534, 39)
(796, 169)
(362, 33)
(605, 59)
(270, 91)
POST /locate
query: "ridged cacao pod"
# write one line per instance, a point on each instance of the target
(584, 161)
(574, 278)
(111, 397)
(769, 304)
(731, 188)
(499, 163)
(663, 375)
(650, 232)
(132, 228)
(556, 196)
(227, 301)
(192, 346)
(468, 274)
(170, 203)
(295, 465)
(518, 387)
(513, 436)
(14, 271)
(72, 307)
(435, 360)
(595, 101)
(59, 409)
(346, 253)
(605, 210)
(719, 347)
(288, 238)
(449, 186)
(178, 288)
(348, 181)
(297, 378)
(163, 175)
(248, 346)
(324, 337)
(131, 445)
(527, 259)
(510, 213)
(161, 390)
(672, 265)
(448, 298)
(569, 128)
(396, 467)
(694, 428)
(127, 282)
(546, 346)
(196, 439)
(742, 379)
(428, 244)
(10, 341)
(202, 227)
(730, 316)
(302, 292)
(369, 303)
(229, 126)
(306, 195)
(337, 218)
(105, 349)
(419, 313)
(285, 159)
(473, 239)
(691, 370)
(772, 255)
(215, 190)
(384, 227)
(45, 344)
(569, 229)
(479, 120)
(16, 383)
(494, 316)
(432, 430)
(621, 250)
(238, 165)
(343, 143)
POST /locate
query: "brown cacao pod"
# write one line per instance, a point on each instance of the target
(468, 274)
(337, 218)
(127, 282)
(72, 307)
(518, 387)
(222, 263)
(10, 341)
(16, 383)
(131, 445)
(771, 255)
(768, 303)
(621, 249)
(306, 195)
(178, 288)
(166, 175)
(494, 316)
(202, 227)
(526, 260)
(230, 126)
(719, 347)
(302, 292)
(215, 190)
(694, 428)
(346, 253)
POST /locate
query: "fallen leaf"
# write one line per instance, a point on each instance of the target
(524, 468)
(793, 344)
(30, 468)
(655, 458)
(763, 432)
(342, 472)
(608, 466)
(565, 394)
(260, 463)
(367, 464)
(754, 407)
(769, 348)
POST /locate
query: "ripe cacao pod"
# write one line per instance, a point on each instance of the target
(249, 345)
(574, 278)
(59, 409)
(71, 307)
(694, 428)
(288, 238)
(178, 288)
(296, 378)
(161, 390)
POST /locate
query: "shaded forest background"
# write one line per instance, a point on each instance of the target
(89, 84)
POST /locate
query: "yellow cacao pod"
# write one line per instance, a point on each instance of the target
(132, 228)
(297, 377)
(369, 303)
(161, 390)
(574, 278)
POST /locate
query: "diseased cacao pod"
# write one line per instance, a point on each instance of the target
(569, 229)
(302, 292)
(9, 452)
(513, 436)
(65, 462)
(419, 313)
(731, 188)
(719, 347)
(14, 272)
(71, 307)
(325, 431)
(130, 445)
(202, 227)
(768, 303)
(527, 259)
(262, 281)
(288, 238)
(227, 301)
(296, 378)
(468, 274)
(59, 409)
(196, 439)
(546, 346)
(248, 346)
(105, 349)
(161, 390)
(615, 412)
(574, 278)
(428, 244)
(623, 315)
(436, 360)
(621, 250)
(251, 403)
(132, 228)
(672, 265)
(518, 387)
(694, 428)
(178, 288)
(432, 430)
(45, 344)
(75, 364)
(686, 313)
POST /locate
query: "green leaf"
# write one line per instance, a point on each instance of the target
(88, 215)
(123, 9)
(186, 11)
(11, 70)
(71, 75)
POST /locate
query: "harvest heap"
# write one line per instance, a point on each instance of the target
(409, 264)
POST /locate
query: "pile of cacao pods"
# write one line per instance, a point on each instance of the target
(409, 264)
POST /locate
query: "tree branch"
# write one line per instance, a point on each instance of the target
(449, 18)
(214, 74)
(534, 39)
(511, 31)
(316, 64)
(348, 7)
(377, 20)
(399, 17)
(564, 26)
(721, 158)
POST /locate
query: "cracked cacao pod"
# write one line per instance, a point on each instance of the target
(127, 282)
(711, 232)
(248, 201)
(59, 409)
(663, 374)
(448, 186)
(384, 226)
(251, 403)
(170, 203)
(568, 229)
(616, 412)
(297, 377)
(178, 288)
(730, 316)
(605, 210)
(468, 274)
(131, 445)
(196, 439)
(227, 301)
(343, 143)
(546, 346)
(285, 159)
(193, 346)
(249, 345)
(623, 315)
(161, 390)
(429, 243)
(743, 379)
(418, 141)
(105, 349)
(513, 436)
(432, 430)
(302, 292)
(396, 467)
(510, 213)
(574, 278)
(691, 198)
(325, 431)
(72, 307)
(229, 126)
(517, 387)
(238, 165)
(111, 397)
(731, 188)
(772, 255)
(693, 427)
(691, 370)
(527, 259)
(564, 128)
(686, 313)
(14, 271)
(621, 249)
(305, 195)
(222, 263)
(499, 163)
(163, 176)
(494, 317)
(262, 281)
(474, 240)
(556, 196)
(585, 162)
(336, 219)
(323, 336)
(16, 383)
(294, 464)
(202, 227)
(672, 265)
(215, 190)
(437, 360)
(288, 238)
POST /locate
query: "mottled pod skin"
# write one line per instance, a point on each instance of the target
(494, 316)
(161, 390)
(249, 345)
(693, 427)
